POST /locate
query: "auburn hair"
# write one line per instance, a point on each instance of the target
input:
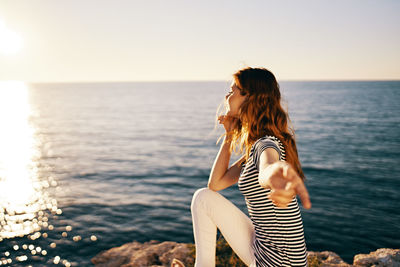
(262, 114)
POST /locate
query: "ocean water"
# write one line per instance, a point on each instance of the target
(85, 167)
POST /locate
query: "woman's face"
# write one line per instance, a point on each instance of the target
(233, 100)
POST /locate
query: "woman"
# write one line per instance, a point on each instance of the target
(269, 175)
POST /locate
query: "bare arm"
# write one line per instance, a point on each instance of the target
(221, 177)
(268, 156)
(282, 179)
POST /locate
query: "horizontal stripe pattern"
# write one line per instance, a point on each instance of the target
(279, 231)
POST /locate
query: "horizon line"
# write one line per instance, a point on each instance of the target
(175, 81)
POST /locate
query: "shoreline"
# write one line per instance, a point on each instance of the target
(157, 254)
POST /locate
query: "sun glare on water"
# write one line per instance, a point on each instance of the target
(23, 198)
(28, 207)
(10, 41)
(16, 186)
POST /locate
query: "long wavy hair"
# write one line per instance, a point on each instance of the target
(262, 114)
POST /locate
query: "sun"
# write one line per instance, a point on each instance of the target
(10, 41)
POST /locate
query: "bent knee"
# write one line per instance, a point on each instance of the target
(201, 194)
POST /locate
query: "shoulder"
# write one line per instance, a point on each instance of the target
(268, 140)
(264, 143)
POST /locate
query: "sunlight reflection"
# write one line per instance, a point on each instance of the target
(21, 194)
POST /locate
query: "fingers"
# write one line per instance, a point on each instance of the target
(296, 183)
(224, 118)
(227, 121)
(289, 186)
(228, 117)
(288, 171)
(285, 196)
(301, 190)
(281, 198)
(285, 169)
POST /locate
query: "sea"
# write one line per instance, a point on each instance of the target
(85, 167)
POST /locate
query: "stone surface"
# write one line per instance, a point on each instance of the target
(381, 257)
(135, 254)
(328, 258)
(157, 254)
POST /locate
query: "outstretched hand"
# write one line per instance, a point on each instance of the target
(285, 183)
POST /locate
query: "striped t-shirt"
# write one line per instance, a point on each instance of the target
(279, 235)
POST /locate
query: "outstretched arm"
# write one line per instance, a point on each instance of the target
(282, 179)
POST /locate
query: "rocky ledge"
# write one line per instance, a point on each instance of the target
(157, 254)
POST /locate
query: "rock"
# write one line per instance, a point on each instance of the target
(156, 254)
(135, 254)
(381, 257)
(327, 258)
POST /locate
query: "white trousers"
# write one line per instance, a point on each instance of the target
(211, 210)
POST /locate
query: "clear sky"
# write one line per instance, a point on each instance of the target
(158, 40)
